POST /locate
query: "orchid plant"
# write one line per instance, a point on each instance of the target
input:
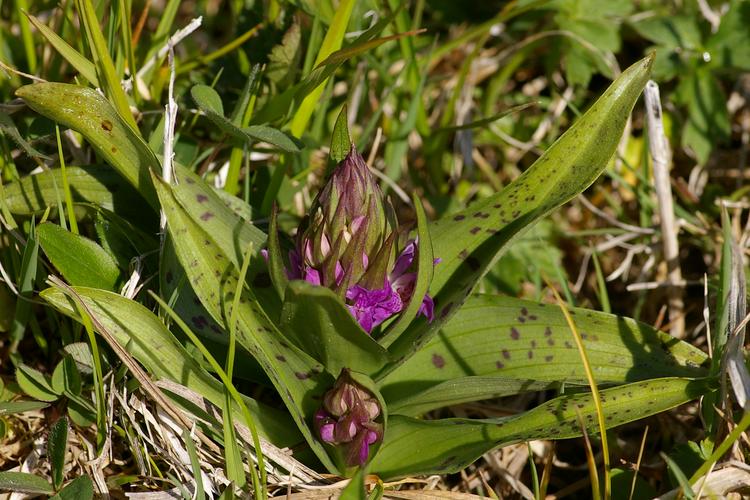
(362, 326)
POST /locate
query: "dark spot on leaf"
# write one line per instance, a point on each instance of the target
(301, 375)
(201, 198)
(281, 358)
(168, 277)
(506, 354)
(515, 214)
(524, 311)
(532, 317)
(548, 358)
(568, 345)
(107, 125)
(463, 254)
(522, 319)
(530, 354)
(499, 365)
(200, 322)
(473, 263)
(113, 149)
(515, 334)
(206, 216)
(438, 361)
(547, 331)
(533, 344)
(475, 229)
(459, 217)
(550, 342)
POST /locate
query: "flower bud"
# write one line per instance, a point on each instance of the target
(348, 244)
(347, 419)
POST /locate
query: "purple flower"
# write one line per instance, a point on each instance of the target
(347, 419)
(348, 244)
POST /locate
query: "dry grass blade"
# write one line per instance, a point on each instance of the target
(148, 386)
(659, 149)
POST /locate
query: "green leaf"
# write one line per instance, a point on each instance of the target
(295, 375)
(464, 390)
(81, 488)
(209, 102)
(708, 118)
(425, 265)
(35, 384)
(57, 444)
(105, 68)
(13, 407)
(470, 241)
(85, 67)
(509, 338)
(66, 378)
(341, 143)
(8, 128)
(21, 482)
(147, 339)
(284, 58)
(96, 185)
(25, 285)
(420, 447)
(316, 320)
(673, 31)
(332, 41)
(729, 47)
(86, 111)
(81, 261)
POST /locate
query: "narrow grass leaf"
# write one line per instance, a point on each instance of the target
(85, 67)
(195, 465)
(9, 129)
(341, 143)
(682, 480)
(25, 287)
(105, 68)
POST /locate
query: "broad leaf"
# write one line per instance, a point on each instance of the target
(509, 338)
(148, 341)
(297, 377)
(210, 103)
(81, 261)
(12, 407)
(35, 384)
(22, 482)
(96, 185)
(81, 488)
(316, 320)
(57, 443)
(470, 241)
(86, 111)
(420, 447)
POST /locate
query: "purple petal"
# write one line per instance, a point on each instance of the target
(312, 276)
(403, 262)
(427, 308)
(326, 432)
(372, 307)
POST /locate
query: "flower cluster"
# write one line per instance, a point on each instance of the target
(347, 418)
(348, 244)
